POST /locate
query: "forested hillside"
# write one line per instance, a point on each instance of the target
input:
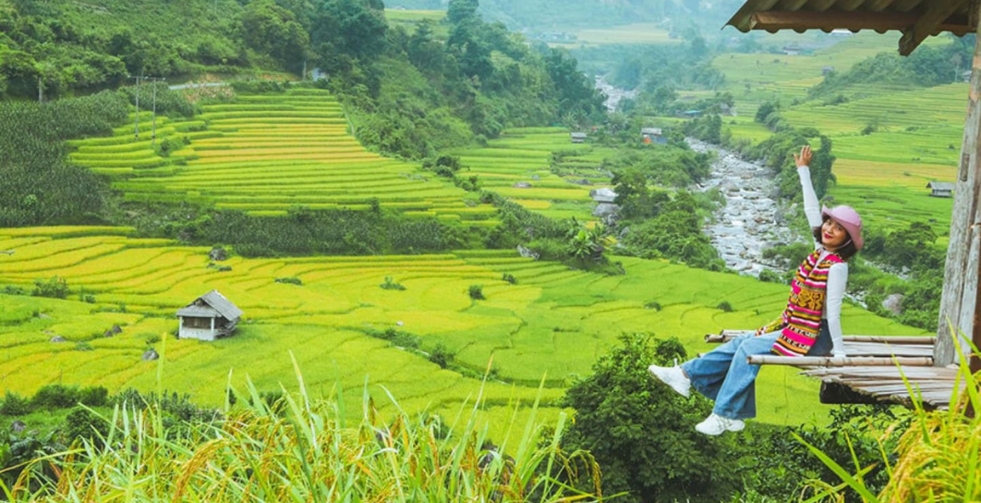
(405, 94)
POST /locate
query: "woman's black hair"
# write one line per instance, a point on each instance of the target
(846, 251)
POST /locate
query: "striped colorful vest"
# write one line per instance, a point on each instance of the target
(800, 323)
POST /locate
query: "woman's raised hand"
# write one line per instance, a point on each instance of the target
(804, 157)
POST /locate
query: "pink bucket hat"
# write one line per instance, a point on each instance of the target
(847, 217)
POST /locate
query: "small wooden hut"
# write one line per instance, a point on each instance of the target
(960, 307)
(578, 137)
(941, 189)
(209, 317)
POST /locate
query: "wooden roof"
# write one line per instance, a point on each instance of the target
(916, 19)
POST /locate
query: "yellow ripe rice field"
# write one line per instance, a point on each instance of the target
(267, 153)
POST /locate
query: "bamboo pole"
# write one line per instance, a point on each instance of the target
(728, 335)
(830, 361)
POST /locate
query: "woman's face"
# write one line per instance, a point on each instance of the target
(833, 235)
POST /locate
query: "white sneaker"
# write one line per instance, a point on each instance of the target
(672, 376)
(716, 425)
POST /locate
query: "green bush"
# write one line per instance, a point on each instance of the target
(476, 292)
(725, 306)
(770, 276)
(390, 284)
(405, 340)
(441, 355)
(292, 280)
(56, 288)
(15, 405)
(82, 424)
(641, 431)
(93, 396)
(509, 278)
(55, 396)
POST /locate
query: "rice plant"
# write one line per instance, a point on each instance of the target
(282, 447)
(938, 455)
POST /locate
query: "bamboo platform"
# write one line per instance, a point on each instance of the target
(873, 370)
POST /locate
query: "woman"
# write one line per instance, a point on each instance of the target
(811, 321)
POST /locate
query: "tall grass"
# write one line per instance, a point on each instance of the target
(299, 449)
(938, 455)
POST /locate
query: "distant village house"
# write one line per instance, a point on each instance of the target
(209, 317)
(941, 189)
(652, 135)
(578, 137)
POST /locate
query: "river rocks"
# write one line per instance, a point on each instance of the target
(57, 339)
(894, 303)
(527, 252)
(150, 355)
(745, 226)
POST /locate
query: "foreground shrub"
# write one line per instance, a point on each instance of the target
(642, 432)
(301, 450)
(15, 405)
(939, 458)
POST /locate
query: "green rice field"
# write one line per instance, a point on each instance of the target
(264, 154)
(519, 166)
(551, 324)
(889, 141)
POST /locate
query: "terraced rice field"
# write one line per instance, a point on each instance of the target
(519, 166)
(754, 78)
(915, 133)
(264, 154)
(552, 324)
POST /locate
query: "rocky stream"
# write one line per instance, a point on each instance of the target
(750, 220)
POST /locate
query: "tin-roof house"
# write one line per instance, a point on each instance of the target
(941, 189)
(209, 317)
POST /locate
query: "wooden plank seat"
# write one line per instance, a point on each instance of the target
(873, 371)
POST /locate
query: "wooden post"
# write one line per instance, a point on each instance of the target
(958, 302)
(975, 364)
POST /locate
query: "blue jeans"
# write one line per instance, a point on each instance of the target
(724, 375)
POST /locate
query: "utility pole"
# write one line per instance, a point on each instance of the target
(153, 134)
(136, 126)
(40, 90)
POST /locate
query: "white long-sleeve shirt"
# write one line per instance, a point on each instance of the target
(837, 274)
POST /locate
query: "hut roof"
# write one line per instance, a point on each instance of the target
(941, 185)
(603, 195)
(917, 19)
(210, 304)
